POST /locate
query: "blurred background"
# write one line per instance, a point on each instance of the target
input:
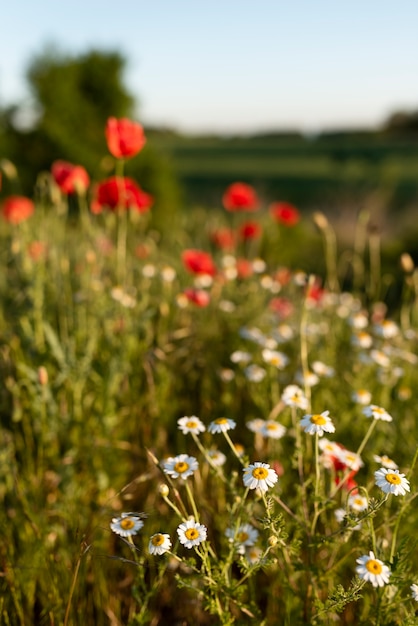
(312, 103)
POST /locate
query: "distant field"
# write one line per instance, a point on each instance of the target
(325, 169)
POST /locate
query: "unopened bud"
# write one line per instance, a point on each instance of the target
(163, 490)
(407, 263)
(320, 220)
(42, 376)
(272, 541)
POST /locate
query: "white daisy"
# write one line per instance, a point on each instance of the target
(243, 537)
(317, 423)
(240, 356)
(323, 370)
(191, 425)
(386, 329)
(377, 412)
(253, 554)
(373, 570)
(362, 396)
(191, 533)
(275, 358)
(391, 481)
(259, 476)
(127, 524)
(272, 429)
(159, 543)
(308, 379)
(221, 425)
(293, 396)
(217, 457)
(357, 502)
(385, 461)
(180, 466)
(256, 425)
(414, 592)
(361, 339)
(255, 373)
(350, 459)
(380, 358)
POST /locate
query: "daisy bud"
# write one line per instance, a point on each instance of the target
(272, 541)
(163, 490)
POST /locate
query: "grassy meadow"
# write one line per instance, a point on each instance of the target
(293, 358)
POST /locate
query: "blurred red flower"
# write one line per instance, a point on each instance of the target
(197, 296)
(282, 307)
(120, 193)
(198, 262)
(285, 213)
(17, 209)
(244, 268)
(37, 250)
(70, 178)
(223, 238)
(124, 137)
(250, 230)
(240, 197)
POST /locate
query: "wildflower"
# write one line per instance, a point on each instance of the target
(159, 543)
(373, 570)
(252, 334)
(259, 265)
(386, 329)
(199, 297)
(191, 533)
(323, 370)
(253, 554)
(127, 524)
(414, 592)
(357, 502)
(377, 413)
(284, 213)
(198, 262)
(124, 137)
(362, 396)
(349, 459)
(272, 429)
(223, 238)
(249, 230)
(17, 209)
(70, 178)
(168, 274)
(255, 425)
(380, 358)
(391, 481)
(318, 423)
(243, 537)
(293, 396)
(361, 339)
(221, 425)
(255, 373)
(180, 466)
(275, 358)
(117, 193)
(259, 476)
(226, 374)
(385, 461)
(359, 320)
(163, 490)
(217, 457)
(240, 197)
(240, 356)
(282, 307)
(191, 425)
(308, 379)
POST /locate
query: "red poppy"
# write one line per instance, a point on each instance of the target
(198, 262)
(244, 268)
(37, 250)
(250, 230)
(284, 213)
(124, 137)
(70, 178)
(120, 193)
(240, 197)
(282, 307)
(223, 238)
(17, 209)
(197, 296)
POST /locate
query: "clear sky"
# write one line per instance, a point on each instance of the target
(233, 65)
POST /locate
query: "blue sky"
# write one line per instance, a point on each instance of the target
(234, 65)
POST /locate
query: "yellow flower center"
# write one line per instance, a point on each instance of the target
(221, 420)
(127, 523)
(318, 420)
(260, 473)
(191, 424)
(374, 567)
(242, 537)
(358, 501)
(271, 426)
(393, 479)
(157, 540)
(181, 466)
(192, 533)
